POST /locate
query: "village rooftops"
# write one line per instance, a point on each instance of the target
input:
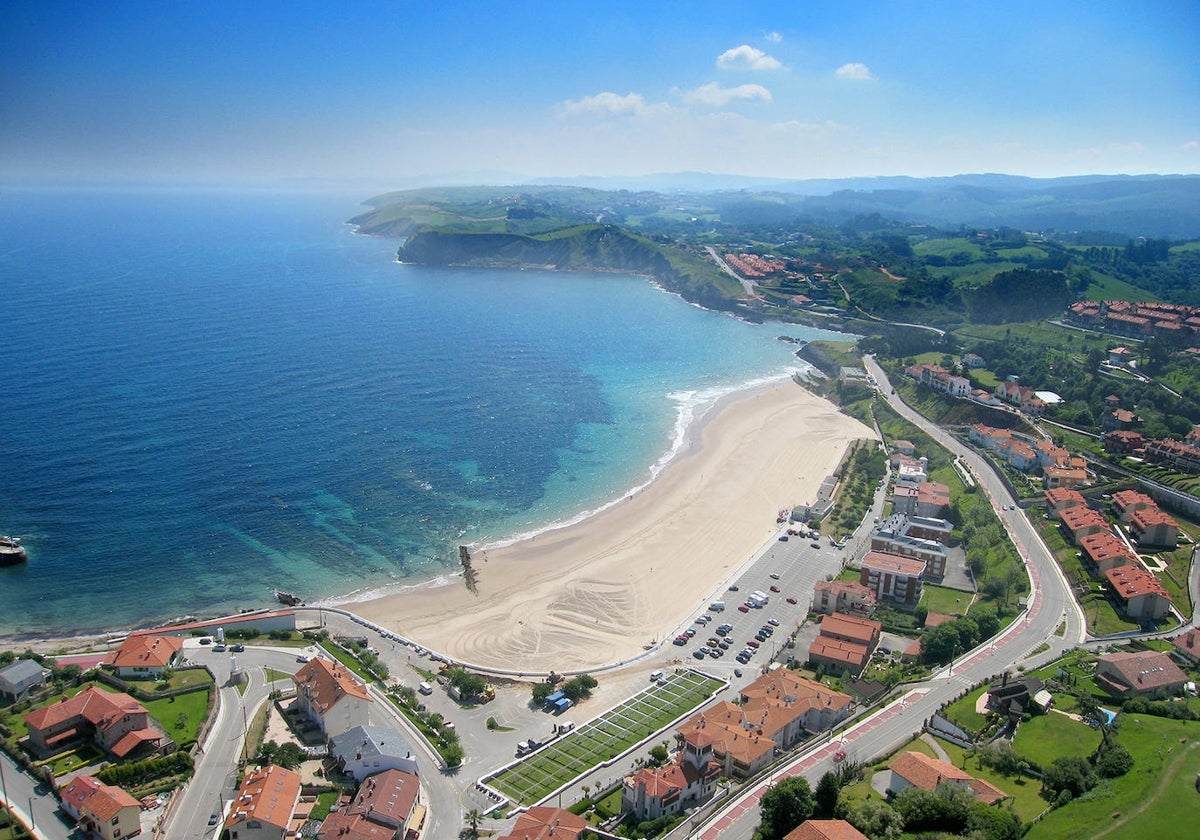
(862, 631)
(545, 823)
(93, 705)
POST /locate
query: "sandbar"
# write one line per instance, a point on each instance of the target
(599, 591)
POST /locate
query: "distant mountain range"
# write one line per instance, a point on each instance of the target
(1160, 206)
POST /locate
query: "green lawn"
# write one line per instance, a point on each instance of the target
(962, 711)
(179, 679)
(1025, 792)
(1044, 738)
(1157, 798)
(347, 659)
(940, 599)
(180, 716)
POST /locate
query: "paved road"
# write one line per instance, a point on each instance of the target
(32, 803)
(214, 784)
(1050, 604)
(746, 284)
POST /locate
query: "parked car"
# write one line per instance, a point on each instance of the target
(238, 648)
(680, 640)
(300, 657)
(774, 575)
(791, 599)
(691, 631)
(698, 653)
(783, 537)
(733, 588)
(219, 648)
(774, 622)
(743, 608)
(774, 588)
(753, 643)
(207, 640)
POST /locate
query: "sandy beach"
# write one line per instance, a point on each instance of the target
(599, 591)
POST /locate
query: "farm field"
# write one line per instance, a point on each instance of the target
(606, 737)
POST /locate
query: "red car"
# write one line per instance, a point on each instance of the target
(774, 588)
(791, 600)
(840, 755)
(752, 643)
(743, 608)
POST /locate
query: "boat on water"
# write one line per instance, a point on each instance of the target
(11, 551)
(287, 598)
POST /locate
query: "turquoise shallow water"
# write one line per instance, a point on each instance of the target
(207, 395)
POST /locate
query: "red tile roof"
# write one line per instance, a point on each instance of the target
(93, 705)
(1132, 581)
(837, 650)
(543, 823)
(108, 800)
(391, 794)
(1144, 670)
(145, 652)
(924, 772)
(1056, 496)
(135, 739)
(1104, 546)
(268, 794)
(854, 629)
(328, 682)
(825, 830)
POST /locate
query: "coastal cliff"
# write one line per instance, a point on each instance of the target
(590, 247)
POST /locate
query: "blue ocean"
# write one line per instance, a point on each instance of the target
(207, 395)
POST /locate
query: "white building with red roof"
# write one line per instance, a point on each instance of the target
(266, 805)
(914, 769)
(145, 656)
(688, 780)
(545, 823)
(1139, 673)
(1140, 593)
(113, 721)
(893, 577)
(104, 811)
(331, 696)
(825, 830)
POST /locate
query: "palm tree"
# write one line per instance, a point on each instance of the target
(474, 818)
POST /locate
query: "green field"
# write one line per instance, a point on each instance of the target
(606, 737)
(940, 599)
(1044, 738)
(1157, 798)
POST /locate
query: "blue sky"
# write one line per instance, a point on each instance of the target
(389, 92)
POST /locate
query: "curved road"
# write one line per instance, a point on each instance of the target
(1050, 604)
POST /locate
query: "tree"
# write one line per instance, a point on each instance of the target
(877, 820)
(658, 755)
(474, 818)
(541, 691)
(1112, 759)
(993, 823)
(784, 806)
(826, 796)
(1069, 773)
(944, 809)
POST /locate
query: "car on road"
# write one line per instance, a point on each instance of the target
(238, 648)
(213, 818)
(840, 755)
(300, 657)
(219, 648)
(733, 588)
(792, 599)
(743, 608)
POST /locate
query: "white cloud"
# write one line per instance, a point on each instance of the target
(774, 37)
(606, 103)
(747, 57)
(855, 70)
(1192, 146)
(715, 95)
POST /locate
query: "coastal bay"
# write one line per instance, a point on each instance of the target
(597, 591)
